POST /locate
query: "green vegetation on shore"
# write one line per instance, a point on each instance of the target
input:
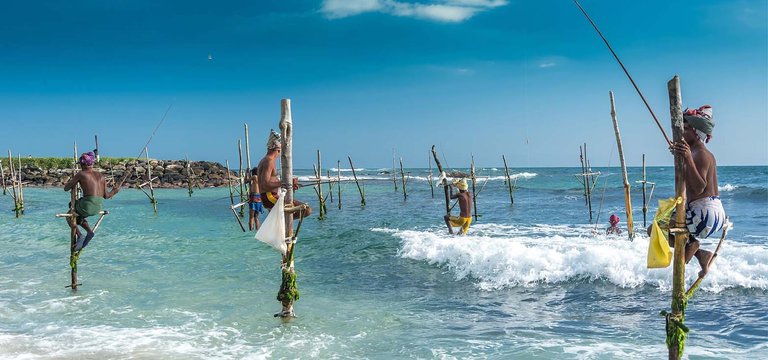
(47, 163)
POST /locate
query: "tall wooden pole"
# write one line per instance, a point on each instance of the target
(474, 181)
(286, 164)
(21, 190)
(509, 179)
(247, 153)
(394, 177)
(445, 186)
(402, 176)
(2, 178)
(362, 193)
(338, 177)
(589, 182)
(189, 176)
(241, 177)
(429, 177)
(583, 173)
(149, 179)
(627, 195)
(13, 184)
(675, 321)
(73, 239)
(645, 203)
(321, 199)
(229, 184)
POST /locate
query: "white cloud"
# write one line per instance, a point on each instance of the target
(436, 10)
(547, 65)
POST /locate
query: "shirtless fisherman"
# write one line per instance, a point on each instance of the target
(94, 190)
(704, 214)
(269, 182)
(465, 208)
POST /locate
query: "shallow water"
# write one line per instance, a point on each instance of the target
(531, 280)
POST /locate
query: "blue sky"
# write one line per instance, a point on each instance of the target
(527, 79)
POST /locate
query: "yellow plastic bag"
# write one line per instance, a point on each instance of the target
(659, 252)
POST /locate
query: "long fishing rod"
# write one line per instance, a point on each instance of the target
(143, 149)
(625, 72)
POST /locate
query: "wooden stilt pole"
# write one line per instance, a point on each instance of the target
(402, 176)
(509, 180)
(445, 186)
(330, 185)
(229, 185)
(474, 181)
(73, 255)
(338, 183)
(21, 190)
(321, 200)
(2, 178)
(241, 176)
(627, 194)
(354, 175)
(13, 184)
(590, 182)
(149, 180)
(247, 153)
(288, 293)
(676, 330)
(429, 177)
(189, 176)
(645, 203)
(394, 178)
(583, 173)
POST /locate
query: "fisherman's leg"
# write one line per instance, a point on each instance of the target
(304, 213)
(251, 219)
(89, 235)
(691, 248)
(704, 257)
(448, 223)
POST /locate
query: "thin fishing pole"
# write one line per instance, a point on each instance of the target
(625, 71)
(143, 149)
(605, 184)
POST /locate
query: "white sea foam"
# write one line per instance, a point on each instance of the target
(727, 187)
(499, 256)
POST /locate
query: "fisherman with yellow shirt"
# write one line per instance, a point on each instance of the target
(465, 205)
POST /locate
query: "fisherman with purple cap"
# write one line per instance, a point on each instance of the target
(94, 188)
(704, 212)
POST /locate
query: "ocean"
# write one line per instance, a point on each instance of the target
(531, 280)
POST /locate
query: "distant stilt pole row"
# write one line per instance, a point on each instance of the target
(354, 175)
(627, 193)
(587, 178)
(319, 188)
(2, 178)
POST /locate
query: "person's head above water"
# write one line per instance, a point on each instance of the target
(87, 159)
(613, 219)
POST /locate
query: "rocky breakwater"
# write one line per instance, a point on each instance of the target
(166, 174)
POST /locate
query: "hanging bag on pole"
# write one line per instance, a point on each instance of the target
(659, 252)
(272, 231)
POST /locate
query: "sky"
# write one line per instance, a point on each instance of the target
(380, 79)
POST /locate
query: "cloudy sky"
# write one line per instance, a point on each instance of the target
(527, 79)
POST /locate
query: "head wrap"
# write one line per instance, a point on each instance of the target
(273, 141)
(461, 184)
(701, 120)
(613, 219)
(87, 159)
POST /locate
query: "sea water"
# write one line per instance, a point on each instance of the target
(532, 280)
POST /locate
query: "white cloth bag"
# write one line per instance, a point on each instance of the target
(272, 231)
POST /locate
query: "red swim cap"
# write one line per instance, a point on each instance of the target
(613, 219)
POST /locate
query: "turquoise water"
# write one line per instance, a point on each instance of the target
(530, 280)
